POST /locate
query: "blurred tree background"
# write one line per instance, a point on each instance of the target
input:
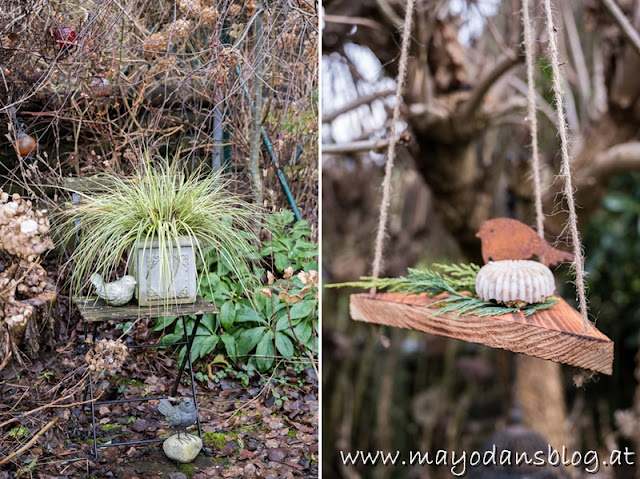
(466, 159)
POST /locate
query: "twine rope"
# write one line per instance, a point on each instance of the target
(533, 118)
(391, 151)
(565, 169)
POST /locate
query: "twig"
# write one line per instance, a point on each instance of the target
(256, 110)
(14, 284)
(7, 351)
(359, 146)
(497, 37)
(54, 404)
(599, 104)
(619, 158)
(541, 103)
(363, 100)
(584, 84)
(389, 14)
(623, 22)
(480, 91)
(31, 442)
(533, 116)
(9, 421)
(346, 20)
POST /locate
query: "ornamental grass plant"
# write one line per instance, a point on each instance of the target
(161, 204)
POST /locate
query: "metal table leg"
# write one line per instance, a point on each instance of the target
(187, 358)
(188, 342)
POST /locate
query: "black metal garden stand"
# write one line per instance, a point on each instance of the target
(94, 311)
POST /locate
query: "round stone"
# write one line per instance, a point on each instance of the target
(182, 448)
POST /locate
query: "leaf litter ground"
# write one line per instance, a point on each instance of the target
(268, 428)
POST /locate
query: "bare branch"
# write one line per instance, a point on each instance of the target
(507, 107)
(346, 20)
(363, 100)
(599, 105)
(493, 30)
(480, 91)
(541, 103)
(389, 14)
(617, 159)
(623, 22)
(584, 84)
(377, 146)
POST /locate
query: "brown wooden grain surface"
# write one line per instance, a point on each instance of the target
(95, 309)
(556, 334)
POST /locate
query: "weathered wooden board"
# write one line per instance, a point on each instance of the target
(556, 334)
(93, 308)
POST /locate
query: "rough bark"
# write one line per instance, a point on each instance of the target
(40, 330)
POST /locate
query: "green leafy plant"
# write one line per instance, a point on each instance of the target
(29, 468)
(289, 245)
(19, 432)
(46, 374)
(258, 322)
(458, 281)
(162, 203)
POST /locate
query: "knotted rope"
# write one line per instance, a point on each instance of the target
(391, 151)
(565, 169)
(532, 116)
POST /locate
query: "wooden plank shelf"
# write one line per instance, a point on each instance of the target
(556, 334)
(95, 309)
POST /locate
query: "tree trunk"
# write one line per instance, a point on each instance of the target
(38, 331)
(540, 393)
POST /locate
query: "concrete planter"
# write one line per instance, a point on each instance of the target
(153, 288)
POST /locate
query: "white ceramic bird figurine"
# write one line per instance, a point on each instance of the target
(118, 292)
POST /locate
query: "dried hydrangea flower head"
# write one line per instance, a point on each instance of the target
(22, 229)
(108, 355)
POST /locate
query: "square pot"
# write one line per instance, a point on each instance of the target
(153, 288)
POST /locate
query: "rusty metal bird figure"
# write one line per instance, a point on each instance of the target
(506, 238)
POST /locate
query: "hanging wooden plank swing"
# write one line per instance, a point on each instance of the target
(556, 334)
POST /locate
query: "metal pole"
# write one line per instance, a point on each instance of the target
(272, 154)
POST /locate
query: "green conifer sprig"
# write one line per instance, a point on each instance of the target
(456, 280)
